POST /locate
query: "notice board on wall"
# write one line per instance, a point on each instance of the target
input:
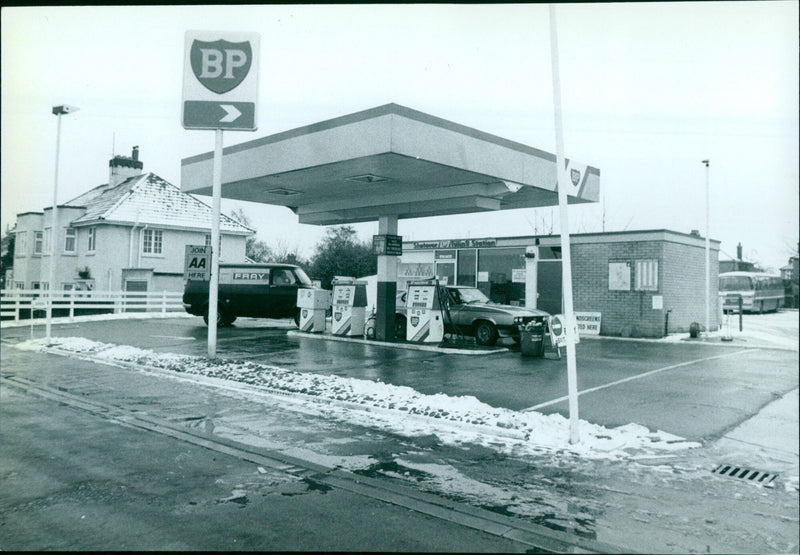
(619, 276)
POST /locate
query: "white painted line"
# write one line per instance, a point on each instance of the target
(636, 377)
(174, 337)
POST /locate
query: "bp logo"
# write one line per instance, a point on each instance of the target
(337, 316)
(305, 313)
(220, 66)
(575, 176)
(414, 321)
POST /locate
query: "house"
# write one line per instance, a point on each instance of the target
(129, 234)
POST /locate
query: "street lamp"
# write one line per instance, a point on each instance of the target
(708, 256)
(57, 111)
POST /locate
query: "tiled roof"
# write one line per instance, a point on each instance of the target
(149, 199)
(87, 197)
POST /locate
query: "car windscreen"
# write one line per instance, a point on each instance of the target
(302, 277)
(735, 283)
(472, 296)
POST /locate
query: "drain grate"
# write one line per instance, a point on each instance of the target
(746, 474)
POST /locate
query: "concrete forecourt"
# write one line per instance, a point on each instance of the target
(119, 456)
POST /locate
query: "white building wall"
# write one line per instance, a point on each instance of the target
(27, 266)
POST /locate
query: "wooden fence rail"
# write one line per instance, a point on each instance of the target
(23, 304)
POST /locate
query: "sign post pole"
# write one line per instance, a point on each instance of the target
(213, 284)
(572, 387)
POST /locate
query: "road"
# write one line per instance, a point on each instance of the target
(673, 504)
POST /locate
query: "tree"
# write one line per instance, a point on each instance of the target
(285, 255)
(340, 253)
(7, 258)
(255, 250)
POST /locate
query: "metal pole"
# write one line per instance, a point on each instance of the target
(53, 224)
(213, 285)
(572, 386)
(708, 256)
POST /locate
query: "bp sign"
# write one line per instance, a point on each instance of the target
(220, 80)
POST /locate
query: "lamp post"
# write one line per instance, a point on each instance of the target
(57, 111)
(708, 255)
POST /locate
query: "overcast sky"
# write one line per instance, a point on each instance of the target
(648, 91)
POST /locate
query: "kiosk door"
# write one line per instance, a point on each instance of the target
(446, 272)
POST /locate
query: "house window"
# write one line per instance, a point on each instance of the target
(67, 286)
(208, 240)
(48, 235)
(70, 239)
(151, 241)
(647, 275)
(20, 244)
(19, 284)
(92, 242)
(37, 242)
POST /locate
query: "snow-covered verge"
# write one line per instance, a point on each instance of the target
(399, 409)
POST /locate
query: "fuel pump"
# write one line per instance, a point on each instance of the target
(349, 307)
(425, 322)
(312, 304)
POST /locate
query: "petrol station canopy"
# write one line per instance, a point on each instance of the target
(385, 161)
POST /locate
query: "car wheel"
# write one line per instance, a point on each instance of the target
(222, 321)
(399, 326)
(485, 334)
(229, 320)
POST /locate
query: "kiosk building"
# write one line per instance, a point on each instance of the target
(634, 283)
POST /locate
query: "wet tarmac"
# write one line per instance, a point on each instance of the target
(674, 504)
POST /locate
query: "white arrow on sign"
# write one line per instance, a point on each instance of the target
(231, 113)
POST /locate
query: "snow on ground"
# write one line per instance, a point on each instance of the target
(399, 409)
(773, 329)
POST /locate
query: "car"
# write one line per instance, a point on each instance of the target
(473, 314)
(252, 290)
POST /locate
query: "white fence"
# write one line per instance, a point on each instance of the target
(17, 304)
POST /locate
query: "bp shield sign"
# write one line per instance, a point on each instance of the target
(220, 80)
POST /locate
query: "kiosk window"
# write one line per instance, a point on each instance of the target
(467, 264)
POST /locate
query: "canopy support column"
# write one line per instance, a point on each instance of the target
(387, 284)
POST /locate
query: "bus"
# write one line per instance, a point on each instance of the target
(759, 292)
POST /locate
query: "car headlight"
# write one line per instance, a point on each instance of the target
(518, 320)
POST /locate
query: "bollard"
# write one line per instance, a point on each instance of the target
(740, 313)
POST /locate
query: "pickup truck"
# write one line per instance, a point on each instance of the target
(251, 290)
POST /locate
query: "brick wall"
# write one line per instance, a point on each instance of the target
(681, 284)
(685, 283)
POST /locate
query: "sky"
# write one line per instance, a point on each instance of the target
(648, 91)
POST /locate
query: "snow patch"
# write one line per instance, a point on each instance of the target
(399, 409)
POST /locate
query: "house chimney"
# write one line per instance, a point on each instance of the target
(121, 168)
(739, 251)
(695, 232)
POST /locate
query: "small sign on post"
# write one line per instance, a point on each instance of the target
(197, 264)
(389, 245)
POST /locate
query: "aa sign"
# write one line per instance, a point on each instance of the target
(197, 264)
